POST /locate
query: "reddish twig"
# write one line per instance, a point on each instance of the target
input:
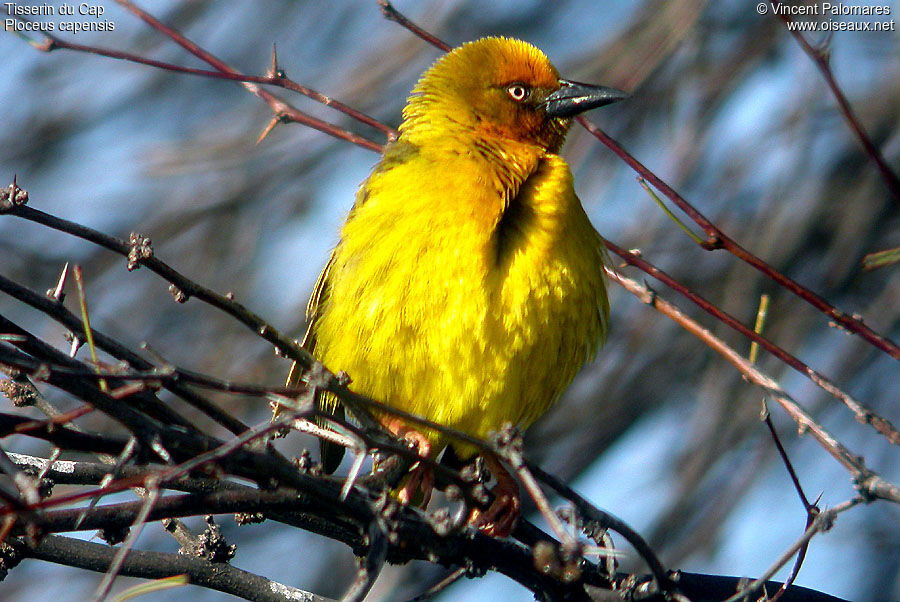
(869, 483)
(283, 111)
(278, 106)
(391, 14)
(822, 60)
(64, 418)
(168, 473)
(719, 240)
(862, 413)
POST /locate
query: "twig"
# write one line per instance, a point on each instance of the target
(370, 566)
(509, 446)
(142, 416)
(56, 311)
(169, 473)
(870, 484)
(391, 14)
(353, 437)
(606, 520)
(155, 565)
(823, 522)
(186, 286)
(278, 106)
(152, 488)
(440, 586)
(282, 110)
(719, 240)
(16, 496)
(821, 59)
(62, 437)
(862, 414)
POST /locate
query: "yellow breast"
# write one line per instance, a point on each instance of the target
(461, 296)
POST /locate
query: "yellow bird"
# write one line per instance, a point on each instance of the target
(467, 286)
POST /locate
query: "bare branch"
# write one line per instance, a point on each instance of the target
(719, 240)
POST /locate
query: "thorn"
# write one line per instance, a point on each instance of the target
(271, 126)
(76, 345)
(273, 66)
(57, 293)
(164, 364)
(358, 460)
(274, 70)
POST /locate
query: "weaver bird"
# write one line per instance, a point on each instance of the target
(467, 286)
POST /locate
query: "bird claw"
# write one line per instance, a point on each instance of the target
(501, 516)
(421, 476)
(499, 519)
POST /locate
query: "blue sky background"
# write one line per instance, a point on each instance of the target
(658, 430)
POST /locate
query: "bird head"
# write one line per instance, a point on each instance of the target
(499, 88)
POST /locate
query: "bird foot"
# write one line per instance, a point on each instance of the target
(499, 519)
(419, 480)
(421, 476)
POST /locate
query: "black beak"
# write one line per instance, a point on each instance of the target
(573, 98)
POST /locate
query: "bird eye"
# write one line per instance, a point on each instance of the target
(518, 92)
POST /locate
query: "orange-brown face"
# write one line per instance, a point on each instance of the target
(508, 95)
(494, 88)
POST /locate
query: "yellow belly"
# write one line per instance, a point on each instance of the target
(427, 314)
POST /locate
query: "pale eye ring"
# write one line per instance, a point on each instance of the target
(518, 91)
